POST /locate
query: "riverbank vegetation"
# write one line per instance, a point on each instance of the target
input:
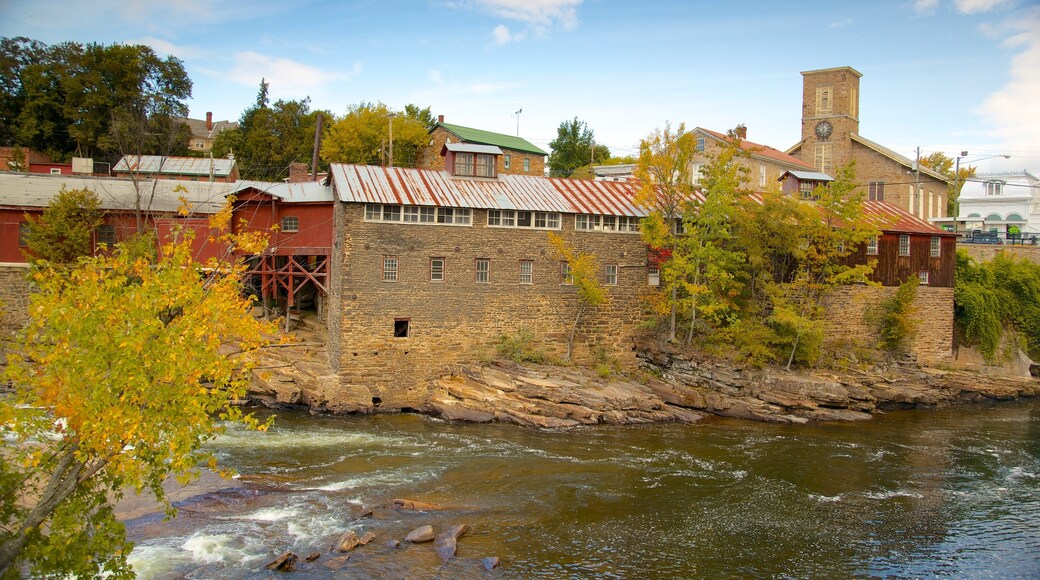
(997, 303)
(116, 381)
(742, 270)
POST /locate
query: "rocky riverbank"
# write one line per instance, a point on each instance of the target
(671, 385)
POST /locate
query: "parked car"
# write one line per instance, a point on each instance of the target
(979, 237)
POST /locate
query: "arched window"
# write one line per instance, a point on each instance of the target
(994, 218)
(973, 215)
(994, 187)
(1014, 217)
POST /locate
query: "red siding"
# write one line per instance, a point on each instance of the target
(314, 220)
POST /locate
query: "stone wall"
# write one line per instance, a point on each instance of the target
(986, 252)
(848, 325)
(457, 319)
(14, 293)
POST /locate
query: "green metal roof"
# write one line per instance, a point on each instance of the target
(488, 138)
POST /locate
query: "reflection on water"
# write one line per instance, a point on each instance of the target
(948, 493)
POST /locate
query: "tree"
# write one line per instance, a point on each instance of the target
(574, 147)
(363, 136)
(65, 231)
(583, 273)
(118, 379)
(424, 116)
(945, 165)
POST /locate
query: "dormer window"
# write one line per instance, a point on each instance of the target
(994, 187)
(469, 160)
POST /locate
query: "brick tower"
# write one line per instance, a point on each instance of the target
(830, 115)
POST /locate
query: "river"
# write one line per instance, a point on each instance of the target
(954, 492)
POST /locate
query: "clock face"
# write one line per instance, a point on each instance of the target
(824, 129)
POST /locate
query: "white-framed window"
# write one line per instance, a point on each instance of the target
(464, 163)
(695, 173)
(678, 227)
(904, 244)
(610, 274)
(482, 269)
(606, 223)
(936, 247)
(922, 277)
(547, 220)
(106, 234)
(507, 160)
(526, 272)
(876, 191)
(503, 218)
(823, 157)
(566, 275)
(994, 187)
(805, 188)
(700, 144)
(485, 165)
(527, 165)
(290, 224)
(824, 100)
(55, 171)
(653, 275)
(872, 246)
(415, 214)
(200, 144)
(761, 175)
(586, 223)
(390, 265)
(436, 269)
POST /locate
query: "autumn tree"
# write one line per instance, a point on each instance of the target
(118, 379)
(64, 233)
(945, 165)
(581, 270)
(574, 147)
(363, 136)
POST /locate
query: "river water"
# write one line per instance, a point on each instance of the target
(950, 493)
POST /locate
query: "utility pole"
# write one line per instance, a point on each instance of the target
(317, 147)
(391, 139)
(592, 154)
(517, 113)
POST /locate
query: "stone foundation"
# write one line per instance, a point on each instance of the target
(14, 294)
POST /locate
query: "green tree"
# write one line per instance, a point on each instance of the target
(574, 147)
(997, 299)
(64, 233)
(118, 379)
(424, 116)
(945, 165)
(363, 136)
(583, 272)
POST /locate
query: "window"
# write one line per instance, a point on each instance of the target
(485, 165)
(106, 234)
(922, 277)
(200, 144)
(936, 246)
(413, 214)
(805, 188)
(994, 187)
(55, 171)
(872, 246)
(483, 270)
(609, 223)
(527, 165)
(876, 191)
(678, 227)
(606, 223)
(823, 157)
(566, 276)
(436, 269)
(290, 224)
(391, 213)
(523, 219)
(504, 218)
(695, 173)
(454, 215)
(507, 160)
(400, 328)
(389, 268)
(373, 212)
(761, 175)
(586, 222)
(610, 274)
(700, 144)
(526, 271)
(23, 234)
(547, 220)
(463, 164)
(853, 103)
(904, 245)
(653, 275)
(824, 102)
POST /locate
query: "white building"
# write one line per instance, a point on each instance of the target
(996, 202)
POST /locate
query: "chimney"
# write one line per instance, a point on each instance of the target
(209, 121)
(440, 118)
(742, 132)
(298, 172)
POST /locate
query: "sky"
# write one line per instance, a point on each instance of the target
(942, 75)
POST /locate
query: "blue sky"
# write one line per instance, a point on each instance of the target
(946, 75)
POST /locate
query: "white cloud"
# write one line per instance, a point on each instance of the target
(1012, 110)
(287, 78)
(975, 6)
(502, 35)
(925, 6)
(165, 47)
(840, 23)
(538, 16)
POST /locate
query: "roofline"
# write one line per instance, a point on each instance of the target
(833, 69)
(905, 161)
(535, 150)
(754, 154)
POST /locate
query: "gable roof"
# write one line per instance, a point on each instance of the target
(904, 161)
(806, 175)
(116, 193)
(759, 150)
(407, 186)
(163, 165)
(890, 218)
(298, 192)
(488, 138)
(198, 127)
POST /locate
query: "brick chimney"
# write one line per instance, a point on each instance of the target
(298, 172)
(440, 118)
(209, 120)
(742, 132)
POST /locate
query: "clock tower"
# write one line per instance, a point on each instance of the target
(830, 115)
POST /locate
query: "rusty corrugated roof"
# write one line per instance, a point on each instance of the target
(406, 186)
(164, 165)
(893, 219)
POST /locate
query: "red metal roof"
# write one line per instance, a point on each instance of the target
(890, 218)
(762, 150)
(406, 186)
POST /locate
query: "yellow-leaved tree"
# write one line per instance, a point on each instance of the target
(581, 270)
(118, 379)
